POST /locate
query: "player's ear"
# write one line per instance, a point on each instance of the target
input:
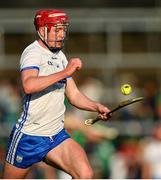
(42, 31)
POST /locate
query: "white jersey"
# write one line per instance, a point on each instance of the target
(43, 112)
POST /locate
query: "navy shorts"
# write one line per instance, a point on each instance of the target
(25, 150)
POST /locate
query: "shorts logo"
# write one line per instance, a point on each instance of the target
(19, 159)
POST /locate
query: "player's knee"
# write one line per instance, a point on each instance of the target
(89, 174)
(86, 173)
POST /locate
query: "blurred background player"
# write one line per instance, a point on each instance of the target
(151, 168)
(39, 134)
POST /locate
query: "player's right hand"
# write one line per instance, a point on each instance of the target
(74, 64)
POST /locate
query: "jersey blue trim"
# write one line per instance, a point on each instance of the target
(25, 112)
(30, 67)
(69, 76)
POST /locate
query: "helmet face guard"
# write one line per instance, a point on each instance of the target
(58, 27)
(49, 19)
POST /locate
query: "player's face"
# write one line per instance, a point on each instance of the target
(56, 35)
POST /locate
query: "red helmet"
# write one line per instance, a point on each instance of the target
(45, 17)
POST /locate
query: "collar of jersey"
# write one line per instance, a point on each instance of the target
(45, 50)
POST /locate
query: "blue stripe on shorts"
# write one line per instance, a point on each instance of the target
(30, 149)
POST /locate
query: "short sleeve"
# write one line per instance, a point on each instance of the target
(30, 60)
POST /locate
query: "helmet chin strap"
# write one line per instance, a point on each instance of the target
(44, 40)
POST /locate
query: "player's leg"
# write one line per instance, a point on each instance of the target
(70, 157)
(11, 172)
(47, 171)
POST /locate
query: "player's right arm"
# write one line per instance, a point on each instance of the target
(33, 83)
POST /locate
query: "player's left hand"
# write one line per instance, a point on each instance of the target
(102, 112)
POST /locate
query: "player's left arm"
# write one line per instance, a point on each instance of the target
(79, 100)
